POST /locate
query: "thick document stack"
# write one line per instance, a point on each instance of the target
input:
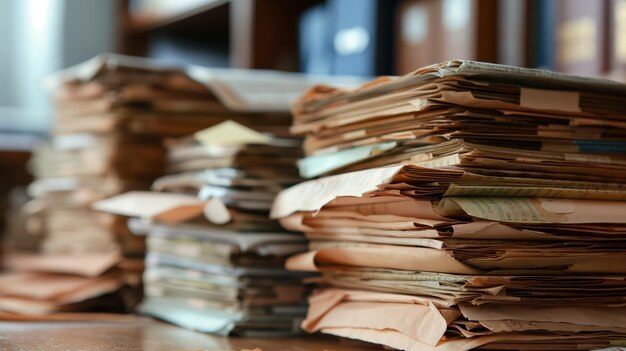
(215, 261)
(112, 115)
(135, 95)
(472, 206)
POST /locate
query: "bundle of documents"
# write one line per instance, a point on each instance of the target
(120, 93)
(215, 261)
(466, 205)
(44, 285)
(74, 170)
(112, 115)
(482, 109)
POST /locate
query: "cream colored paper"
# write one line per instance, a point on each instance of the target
(420, 320)
(550, 100)
(542, 210)
(165, 207)
(229, 133)
(313, 194)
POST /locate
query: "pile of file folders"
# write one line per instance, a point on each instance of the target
(112, 115)
(466, 205)
(215, 260)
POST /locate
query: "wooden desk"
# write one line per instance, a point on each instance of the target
(149, 335)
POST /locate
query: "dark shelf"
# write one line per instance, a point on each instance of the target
(241, 33)
(208, 12)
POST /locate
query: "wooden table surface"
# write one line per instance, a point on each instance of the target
(149, 335)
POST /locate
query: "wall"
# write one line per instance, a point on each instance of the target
(38, 37)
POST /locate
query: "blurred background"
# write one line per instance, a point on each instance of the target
(356, 37)
(336, 37)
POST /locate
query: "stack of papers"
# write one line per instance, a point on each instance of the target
(237, 169)
(215, 261)
(482, 108)
(40, 285)
(112, 115)
(114, 92)
(472, 206)
(74, 170)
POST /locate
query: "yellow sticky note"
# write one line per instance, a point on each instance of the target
(230, 133)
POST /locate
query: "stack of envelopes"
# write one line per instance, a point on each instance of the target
(485, 209)
(215, 261)
(112, 115)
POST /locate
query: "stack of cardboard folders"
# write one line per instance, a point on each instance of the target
(15, 151)
(465, 205)
(112, 115)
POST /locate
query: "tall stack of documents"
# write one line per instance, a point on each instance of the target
(465, 205)
(215, 261)
(112, 115)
